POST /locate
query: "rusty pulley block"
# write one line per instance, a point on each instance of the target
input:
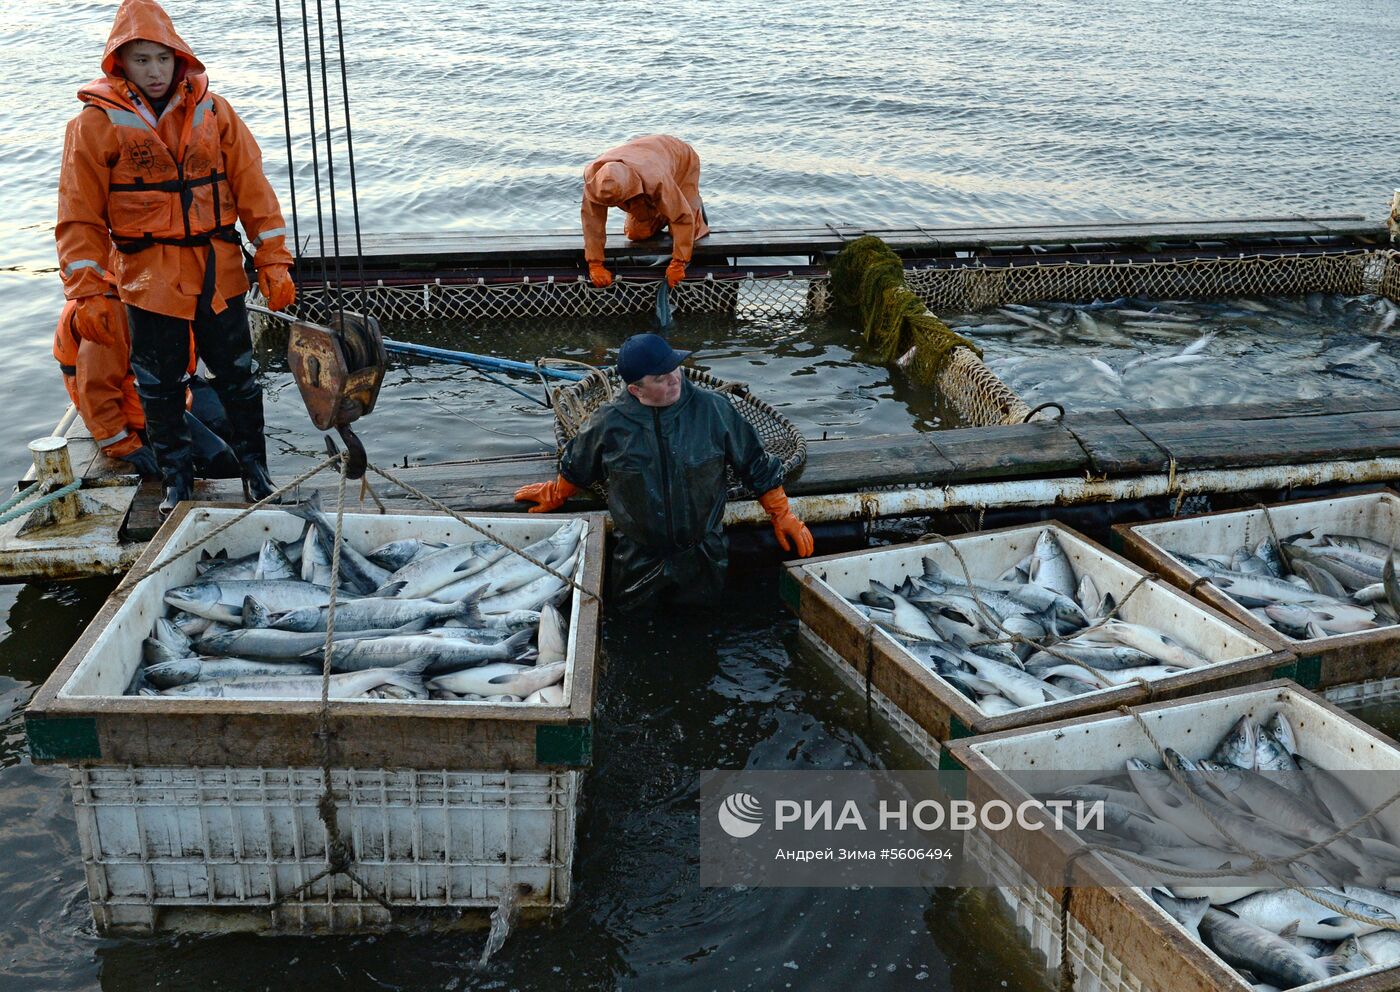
(339, 370)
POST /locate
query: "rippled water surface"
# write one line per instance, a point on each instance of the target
(480, 115)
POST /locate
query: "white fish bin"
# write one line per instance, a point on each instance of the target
(928, 711)
(1119, 939)
(201, 814)
(1365, 657)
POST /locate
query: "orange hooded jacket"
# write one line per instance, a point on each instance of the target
(162, 190)
(656, 181)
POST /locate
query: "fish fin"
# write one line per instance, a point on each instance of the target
(392, 589)
(204, 554)
(255, 615)
(467, 609)
(420, 624)
(517, 643)
(1290, 931)
(1335, 965)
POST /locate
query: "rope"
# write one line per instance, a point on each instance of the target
(339, 853)
(20, 496)
(1272, 866)
(1014, 638)
(242, 515)
(444, 508)
(25, 509)
(1278, 545)
(1044, 406)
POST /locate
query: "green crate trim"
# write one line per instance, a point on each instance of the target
(789, 591)
(1308, 671)
(957, 729)
(947, 762)
(564, 744)
(1288, 671)
(62, 738)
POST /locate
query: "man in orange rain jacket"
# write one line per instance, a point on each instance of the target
(163, 168)
(655, 180)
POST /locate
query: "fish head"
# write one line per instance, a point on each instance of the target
(203, 594)
(1238, 748)
(1179, 761)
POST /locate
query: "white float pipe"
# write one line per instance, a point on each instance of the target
(1067, 491)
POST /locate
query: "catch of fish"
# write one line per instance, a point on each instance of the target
(1309, 585)
(1152, 353)
(1273, 802)
(1074, 642)
(413, 620)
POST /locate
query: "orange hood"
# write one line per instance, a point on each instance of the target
(146, 20)
(612, 183)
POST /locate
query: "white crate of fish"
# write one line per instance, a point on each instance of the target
(1322, 590)
(1276, 773)
(1094, 631)
(456, 662)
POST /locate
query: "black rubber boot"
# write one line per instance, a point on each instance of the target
(176, 491)
(256, 483)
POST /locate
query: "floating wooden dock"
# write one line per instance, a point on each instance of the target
(1101, 445)
(1088, 457)
(510, 251)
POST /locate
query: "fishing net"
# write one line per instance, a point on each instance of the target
(960, 286)
(891, 300)
(575, 402)
(741, 295)
(869, 279)
(1390, 276)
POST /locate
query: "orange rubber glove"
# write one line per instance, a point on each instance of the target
(275, 284)
(97, 320)
(548, 495)
(785, 523)
(675, 272)
(601, 277)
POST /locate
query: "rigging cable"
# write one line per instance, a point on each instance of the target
(315, 159)
(287, 127)
(350, 153)
(330, 165)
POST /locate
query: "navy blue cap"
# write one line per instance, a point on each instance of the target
(647, 354)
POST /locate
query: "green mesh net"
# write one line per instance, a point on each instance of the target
(868, 277)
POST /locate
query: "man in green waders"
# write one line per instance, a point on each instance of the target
(662, 447)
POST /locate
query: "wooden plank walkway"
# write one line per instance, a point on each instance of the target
(446, 249)
(1099, 443)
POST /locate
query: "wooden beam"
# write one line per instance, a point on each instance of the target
(431, 249)
(1111, 443)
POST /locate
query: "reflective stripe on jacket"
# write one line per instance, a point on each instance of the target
(161, 192)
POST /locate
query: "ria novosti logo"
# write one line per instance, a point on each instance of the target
(741, 815)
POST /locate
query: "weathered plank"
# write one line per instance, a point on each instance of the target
(1110, 443)
(457, 247)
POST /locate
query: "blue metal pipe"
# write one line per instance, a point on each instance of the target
(478, 361)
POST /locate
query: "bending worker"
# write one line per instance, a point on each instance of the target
(163, 168)
(662, 447)
(655, 180)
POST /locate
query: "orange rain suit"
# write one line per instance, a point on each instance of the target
(655, 180)
(100, 384)
(165, 191)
